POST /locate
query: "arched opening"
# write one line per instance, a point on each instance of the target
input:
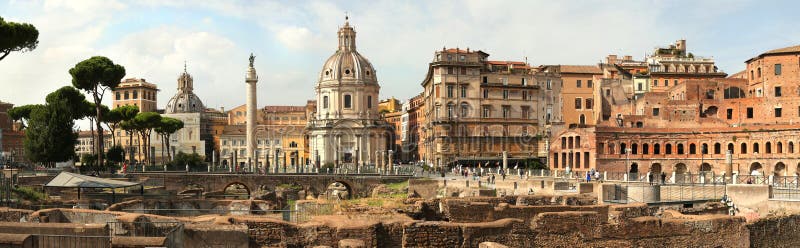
(704, 149)
(768, 147)
(730, 147)
(791, 147)
(236, 190)
(680, 172)
(668, 149)
(743, 148)
(656, 148)
(779, 147)
(756, 169)
(755, 148)
(645, 148)
(680, 148)
(338, 191)
(655, 169)
(780, 169)
(622, 148)
(692, 149)
(582, 119)
(705, 168)
(634, 172)
(634, 148)
(611, 148)
(717, 148)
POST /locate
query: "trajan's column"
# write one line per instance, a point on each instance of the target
(251, 80)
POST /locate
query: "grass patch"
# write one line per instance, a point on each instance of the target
(398, 186)
(29, 194)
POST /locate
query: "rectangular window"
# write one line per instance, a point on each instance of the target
(505, 94)
(639, 87)
(729, 114)
(463, 71)
(369, 102)
(449, 70)
(135, 94)
(505, 81)
(485, 94)
(608, 92)
(578, 103)
(463, 91)
(589, 83)
(675, 82)
(778, 112)
(589, 103)
(777, 69)
(486, 112)
(578, 84)
(485, 79)
(750, 113)
(462, 58)
(525, 113)
(348, 101)
(506, 112)
(656, 111)
(450, 91)
(655, 83)
(777, 91)
(666, 82)
(127, 96)
(524, 95)
(549, 84)
(524, 82)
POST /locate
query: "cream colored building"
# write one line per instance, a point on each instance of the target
(195, 134)
(477, 109)
(347, 128)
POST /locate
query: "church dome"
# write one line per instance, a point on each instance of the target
(347, 64)
(185, 101)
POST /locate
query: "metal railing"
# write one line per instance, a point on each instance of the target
(785, 182)
(639, 192)
(143, 229)
(752, 179)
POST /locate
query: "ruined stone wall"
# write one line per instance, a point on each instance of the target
(783, 231)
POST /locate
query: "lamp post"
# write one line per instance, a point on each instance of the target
(627, 163)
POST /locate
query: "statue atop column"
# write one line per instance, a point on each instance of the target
(252, 59)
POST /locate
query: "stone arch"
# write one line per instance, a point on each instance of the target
(756, 169)
(779, 170)
(705, 168)
(655, 169)
(680, 168)
(236, 189)
(634, 168)
(339, 189)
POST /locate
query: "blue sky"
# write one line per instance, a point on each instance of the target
(292, 39)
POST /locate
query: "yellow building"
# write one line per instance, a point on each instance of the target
(142, 94)
(389, 105)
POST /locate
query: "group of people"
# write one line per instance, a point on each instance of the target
(480, 171)
(663, 178)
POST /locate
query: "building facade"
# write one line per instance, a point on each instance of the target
(195, 136)
(137, 92)
(346, 128)
(11, 136)
(476, 109)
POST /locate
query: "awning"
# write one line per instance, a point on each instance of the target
(72, 180)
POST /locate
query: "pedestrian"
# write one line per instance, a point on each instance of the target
(650, 178)
(597, 175)
(663, 178)
(492, 178)
(588, 176)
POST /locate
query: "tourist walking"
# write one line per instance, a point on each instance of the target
(663, 178)
(650, 178)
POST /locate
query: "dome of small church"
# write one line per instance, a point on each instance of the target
(346, 64)
(185, 101)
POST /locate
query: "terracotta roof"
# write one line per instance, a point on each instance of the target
(790, 49)
(740, 74)
(285, 108)
(492, 62)
(591, 69)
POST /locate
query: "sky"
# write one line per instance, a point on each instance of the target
(292, 39)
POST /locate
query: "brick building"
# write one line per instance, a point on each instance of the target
(689, 127)
(10, 136)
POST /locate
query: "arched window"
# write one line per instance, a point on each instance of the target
(645, 148)
(791, 147)
(768, 147)
(657, 149)
(369, 102)
(755, 147)
(450, 110)
(704, 149)
(730, 147)
(634, 148)
(611, 148)
(582, 120)
(464, 110)
(717, 148)
(325, 102)
(668, 149)
(780, 147)
(348, 101)
(692, 149)
(680, 148)
(743, 148)
(622, 148)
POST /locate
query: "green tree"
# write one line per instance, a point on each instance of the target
(182, 159)
(167, 127)
(116, 116)
(114, 156)
(23, 113)
(96, 75)
(144, 123)
(50, 136)
(89, 163)
(17, 37)
(74, 100)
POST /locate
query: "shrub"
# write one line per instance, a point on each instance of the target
(29, 194)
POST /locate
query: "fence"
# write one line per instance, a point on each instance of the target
(71, 241)
(638, 192)
(752, 179)
(304, 212)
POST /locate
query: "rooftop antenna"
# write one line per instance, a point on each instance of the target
(184, 66)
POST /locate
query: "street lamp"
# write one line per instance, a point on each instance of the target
(627, 163)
